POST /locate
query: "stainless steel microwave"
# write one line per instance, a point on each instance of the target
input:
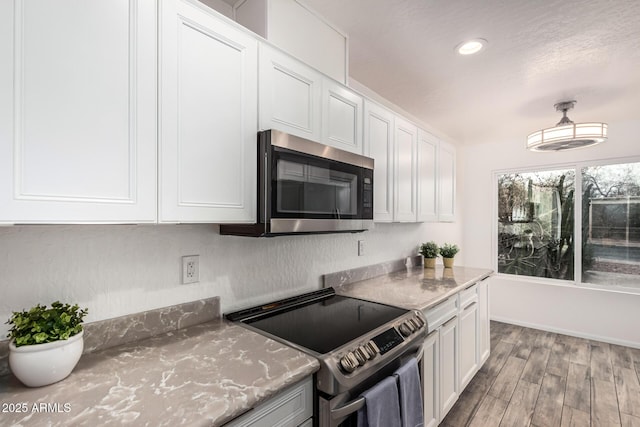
(308, 188)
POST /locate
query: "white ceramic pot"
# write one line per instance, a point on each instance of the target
(42, 364)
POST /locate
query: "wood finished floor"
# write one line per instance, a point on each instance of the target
(542, 379)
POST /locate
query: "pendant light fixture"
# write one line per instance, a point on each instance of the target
(567, 135)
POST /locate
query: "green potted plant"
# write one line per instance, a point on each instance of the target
(46, 343)
(448, 251)
(429, 251)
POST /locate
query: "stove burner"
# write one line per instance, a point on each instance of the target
(351, 338)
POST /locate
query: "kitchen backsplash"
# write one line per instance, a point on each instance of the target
(116, 270)
(353, 275)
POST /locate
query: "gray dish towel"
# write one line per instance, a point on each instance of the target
(381, 407)
(410, 396)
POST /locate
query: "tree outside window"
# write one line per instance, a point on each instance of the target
(535, 224)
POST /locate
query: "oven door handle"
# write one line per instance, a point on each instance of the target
(347, 409)
(351, 407)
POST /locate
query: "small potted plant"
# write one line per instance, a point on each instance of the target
(448, 251)
(429, 251)
(46, 343)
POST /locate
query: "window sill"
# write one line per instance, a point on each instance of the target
(569, 284)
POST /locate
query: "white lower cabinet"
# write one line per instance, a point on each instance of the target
(208, 104)
(291, 408)
(469, 359)
(455, 349)
(484, 338)
(448, 366)
(431, 379)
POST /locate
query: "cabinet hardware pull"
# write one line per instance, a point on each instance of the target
(449, 321)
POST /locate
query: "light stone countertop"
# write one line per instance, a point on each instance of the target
(202, 375)
(414, 288)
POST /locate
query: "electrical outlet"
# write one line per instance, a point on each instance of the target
(190, 269)
(360, 247)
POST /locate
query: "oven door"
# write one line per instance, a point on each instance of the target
(341, 410)
(315, 188)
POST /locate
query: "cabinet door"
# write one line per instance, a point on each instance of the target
(448, 366)
(378, 144)
(290, 95)
(209, 118)
(431, 378)
(78, 111)
(405, 171)
(341, 117)
(447, 183)
(290, 408)
(427, 177)
(468, 343)
(484, 340)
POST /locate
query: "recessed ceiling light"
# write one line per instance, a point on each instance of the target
(471, 46)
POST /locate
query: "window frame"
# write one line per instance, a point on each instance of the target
(577, 226)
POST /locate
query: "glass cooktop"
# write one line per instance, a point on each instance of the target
(328, 324)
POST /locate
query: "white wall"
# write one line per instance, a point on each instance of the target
(608, 316)
(121, 269)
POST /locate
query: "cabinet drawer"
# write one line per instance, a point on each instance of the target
(287, 409)
(441, 313)
(468, 296)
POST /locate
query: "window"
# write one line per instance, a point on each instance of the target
(537, 215)
(611, 225)
(535, 224)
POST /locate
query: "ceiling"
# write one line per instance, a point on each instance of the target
(539, 53)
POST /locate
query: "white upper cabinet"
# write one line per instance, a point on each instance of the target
(208, 130)
(378, 137)
(446, 182)
(297, 30)
(341, 117)
(405, 143)
(78, 111)
(290, 95)
(427, 177)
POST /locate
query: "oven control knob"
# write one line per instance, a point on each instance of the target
(416, 323)
(365, 352)
(360, 355)
(373, 349)
(348, 363)
(405, 330)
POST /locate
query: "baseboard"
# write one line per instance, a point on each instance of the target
(547, 328)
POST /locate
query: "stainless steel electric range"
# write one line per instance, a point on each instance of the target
(358, 343)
